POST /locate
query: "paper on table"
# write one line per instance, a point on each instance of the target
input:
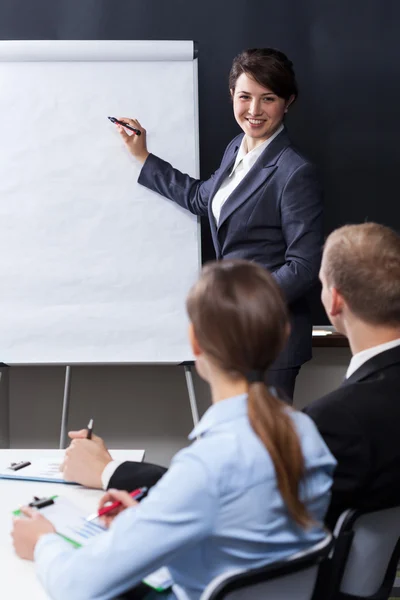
(159, 580)
(321, 332)
(40, 469)
(70, 521)
(47, 469)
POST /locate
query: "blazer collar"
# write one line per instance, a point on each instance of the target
(258, 174)
(376, 363)
(272, 152)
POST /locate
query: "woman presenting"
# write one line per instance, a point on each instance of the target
(264, 201)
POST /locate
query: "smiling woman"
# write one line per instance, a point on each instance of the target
(261, 92)
(258, 111)
(264, 201)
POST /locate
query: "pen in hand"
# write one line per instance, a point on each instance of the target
(136, 495)
(89, 430)
(123, 124)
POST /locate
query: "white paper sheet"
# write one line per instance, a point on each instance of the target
(47, 468)
(70, 521)
(94, 267)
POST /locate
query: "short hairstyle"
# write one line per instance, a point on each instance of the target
(271, 68)
(363, 263)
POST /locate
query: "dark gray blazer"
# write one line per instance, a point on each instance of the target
(273, 217)
(360, 424)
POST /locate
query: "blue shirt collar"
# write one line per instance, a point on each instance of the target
(224, 410)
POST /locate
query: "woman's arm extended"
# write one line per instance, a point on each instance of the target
(159, 176)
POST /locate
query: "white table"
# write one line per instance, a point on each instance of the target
(18, 579)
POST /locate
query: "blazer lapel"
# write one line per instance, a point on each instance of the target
(258, 174)
(224, 172)
(376, 363)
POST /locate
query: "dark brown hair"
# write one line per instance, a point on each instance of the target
(240, 320)
(363, 263)
(269, 67)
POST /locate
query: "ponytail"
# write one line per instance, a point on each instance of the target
(240, 323)
(275, 428)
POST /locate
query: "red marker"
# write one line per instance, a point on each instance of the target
(123, 124)
(136, 494)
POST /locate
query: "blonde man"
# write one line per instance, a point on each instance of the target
(360, 275)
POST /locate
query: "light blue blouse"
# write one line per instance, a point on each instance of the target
(217, 509)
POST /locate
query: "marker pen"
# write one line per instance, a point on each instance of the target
(114, 120)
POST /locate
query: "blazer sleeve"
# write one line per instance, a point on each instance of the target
(302, 227)
(348, 444)
(193, 194)
(131, 475)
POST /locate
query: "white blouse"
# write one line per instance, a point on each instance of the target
(243, 163)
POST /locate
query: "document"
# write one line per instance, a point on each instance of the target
(321, 332)
(70, 521)
(42, 465)
(40, 469)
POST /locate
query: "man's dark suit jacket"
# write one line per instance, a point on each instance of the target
(360, 422)
(273, 217)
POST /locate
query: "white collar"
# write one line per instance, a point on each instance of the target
(361, 357)
(253, 155)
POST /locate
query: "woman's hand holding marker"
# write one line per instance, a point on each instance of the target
(135, 141)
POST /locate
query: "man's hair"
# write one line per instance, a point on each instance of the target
(363, 263)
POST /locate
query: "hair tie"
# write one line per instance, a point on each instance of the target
(256, 376)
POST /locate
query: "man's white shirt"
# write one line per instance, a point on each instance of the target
(361, 357)
(109, 471)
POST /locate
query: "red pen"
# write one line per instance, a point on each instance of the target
(136, 494)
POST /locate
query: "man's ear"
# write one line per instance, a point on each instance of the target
(193, 341)
(232, 91)
(337, 303)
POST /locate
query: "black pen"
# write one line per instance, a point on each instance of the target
(114, 120)
(89, 430)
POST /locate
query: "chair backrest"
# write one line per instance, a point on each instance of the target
(293, 577)
(366, 552)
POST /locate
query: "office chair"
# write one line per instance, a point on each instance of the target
(366, 551)
(293, 577)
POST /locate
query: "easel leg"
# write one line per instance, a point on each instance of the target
(192, 395)
(4, 408)
(65, 409)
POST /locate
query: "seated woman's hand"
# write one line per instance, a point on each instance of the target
(27, 530)
(115, 496)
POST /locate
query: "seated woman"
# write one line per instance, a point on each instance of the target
(252, 488)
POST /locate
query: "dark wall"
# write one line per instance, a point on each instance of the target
(347, 58)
